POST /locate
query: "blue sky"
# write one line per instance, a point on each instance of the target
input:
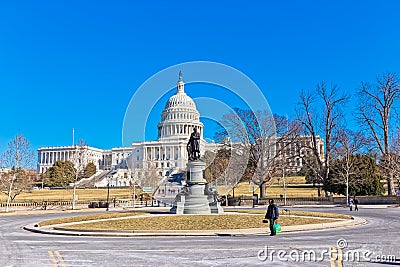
(76, 64)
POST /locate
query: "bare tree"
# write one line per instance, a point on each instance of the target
(288, 142)
(377, 106)
(225, 167)
(257, 135)
(255, 132)
(349, 143)
(19, 156)
(326, 123)
(22, 181)
(79, 159)
(395, 157)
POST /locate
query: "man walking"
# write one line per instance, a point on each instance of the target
(355, 204)
(272, 214)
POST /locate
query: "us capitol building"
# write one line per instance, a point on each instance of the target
(166, 155)
(163, 157)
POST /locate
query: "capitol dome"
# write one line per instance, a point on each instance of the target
(180, 115)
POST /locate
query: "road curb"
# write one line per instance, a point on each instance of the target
(356, 221)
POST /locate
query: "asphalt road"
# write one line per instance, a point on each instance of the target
(380, 237)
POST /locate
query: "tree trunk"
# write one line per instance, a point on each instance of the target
(390, 184)
(263, 191)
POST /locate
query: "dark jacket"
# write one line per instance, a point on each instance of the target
(272, 212)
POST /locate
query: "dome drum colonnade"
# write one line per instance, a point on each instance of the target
(180, 115)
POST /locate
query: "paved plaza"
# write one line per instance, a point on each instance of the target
(378, 238)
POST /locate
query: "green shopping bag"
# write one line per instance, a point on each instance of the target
(277, 228)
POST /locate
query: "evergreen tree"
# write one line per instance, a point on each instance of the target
(364, 177)
(89, 170)
(61, 174)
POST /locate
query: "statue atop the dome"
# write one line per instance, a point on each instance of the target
(193, 146)
(180, 75)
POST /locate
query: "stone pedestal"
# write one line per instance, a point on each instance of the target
(196, 198)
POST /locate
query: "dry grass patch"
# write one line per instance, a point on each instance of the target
(275, 188)
(297, 213)
(90, 217)
(193, 222)
(66, 194)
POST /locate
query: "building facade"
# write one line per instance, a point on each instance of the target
(294, 155)
(167, 154)
(47, 156)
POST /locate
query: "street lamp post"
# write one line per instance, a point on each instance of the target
(134, 194)
(108, 195)
(284, 185)
(347, 190)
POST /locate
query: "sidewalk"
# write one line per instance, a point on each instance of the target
(228, 232)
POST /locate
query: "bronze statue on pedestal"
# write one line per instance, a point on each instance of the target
(193, 146)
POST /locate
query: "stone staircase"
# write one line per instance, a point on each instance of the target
(91, 181)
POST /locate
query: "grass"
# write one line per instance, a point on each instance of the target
(275, 188)
(232, 220)
(66, 194)
(193, 222)
(296, 187)
(297, 213)
(107, 215)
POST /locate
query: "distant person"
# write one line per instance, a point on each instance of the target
(351, 204)
(355, 204)
(272, 214)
